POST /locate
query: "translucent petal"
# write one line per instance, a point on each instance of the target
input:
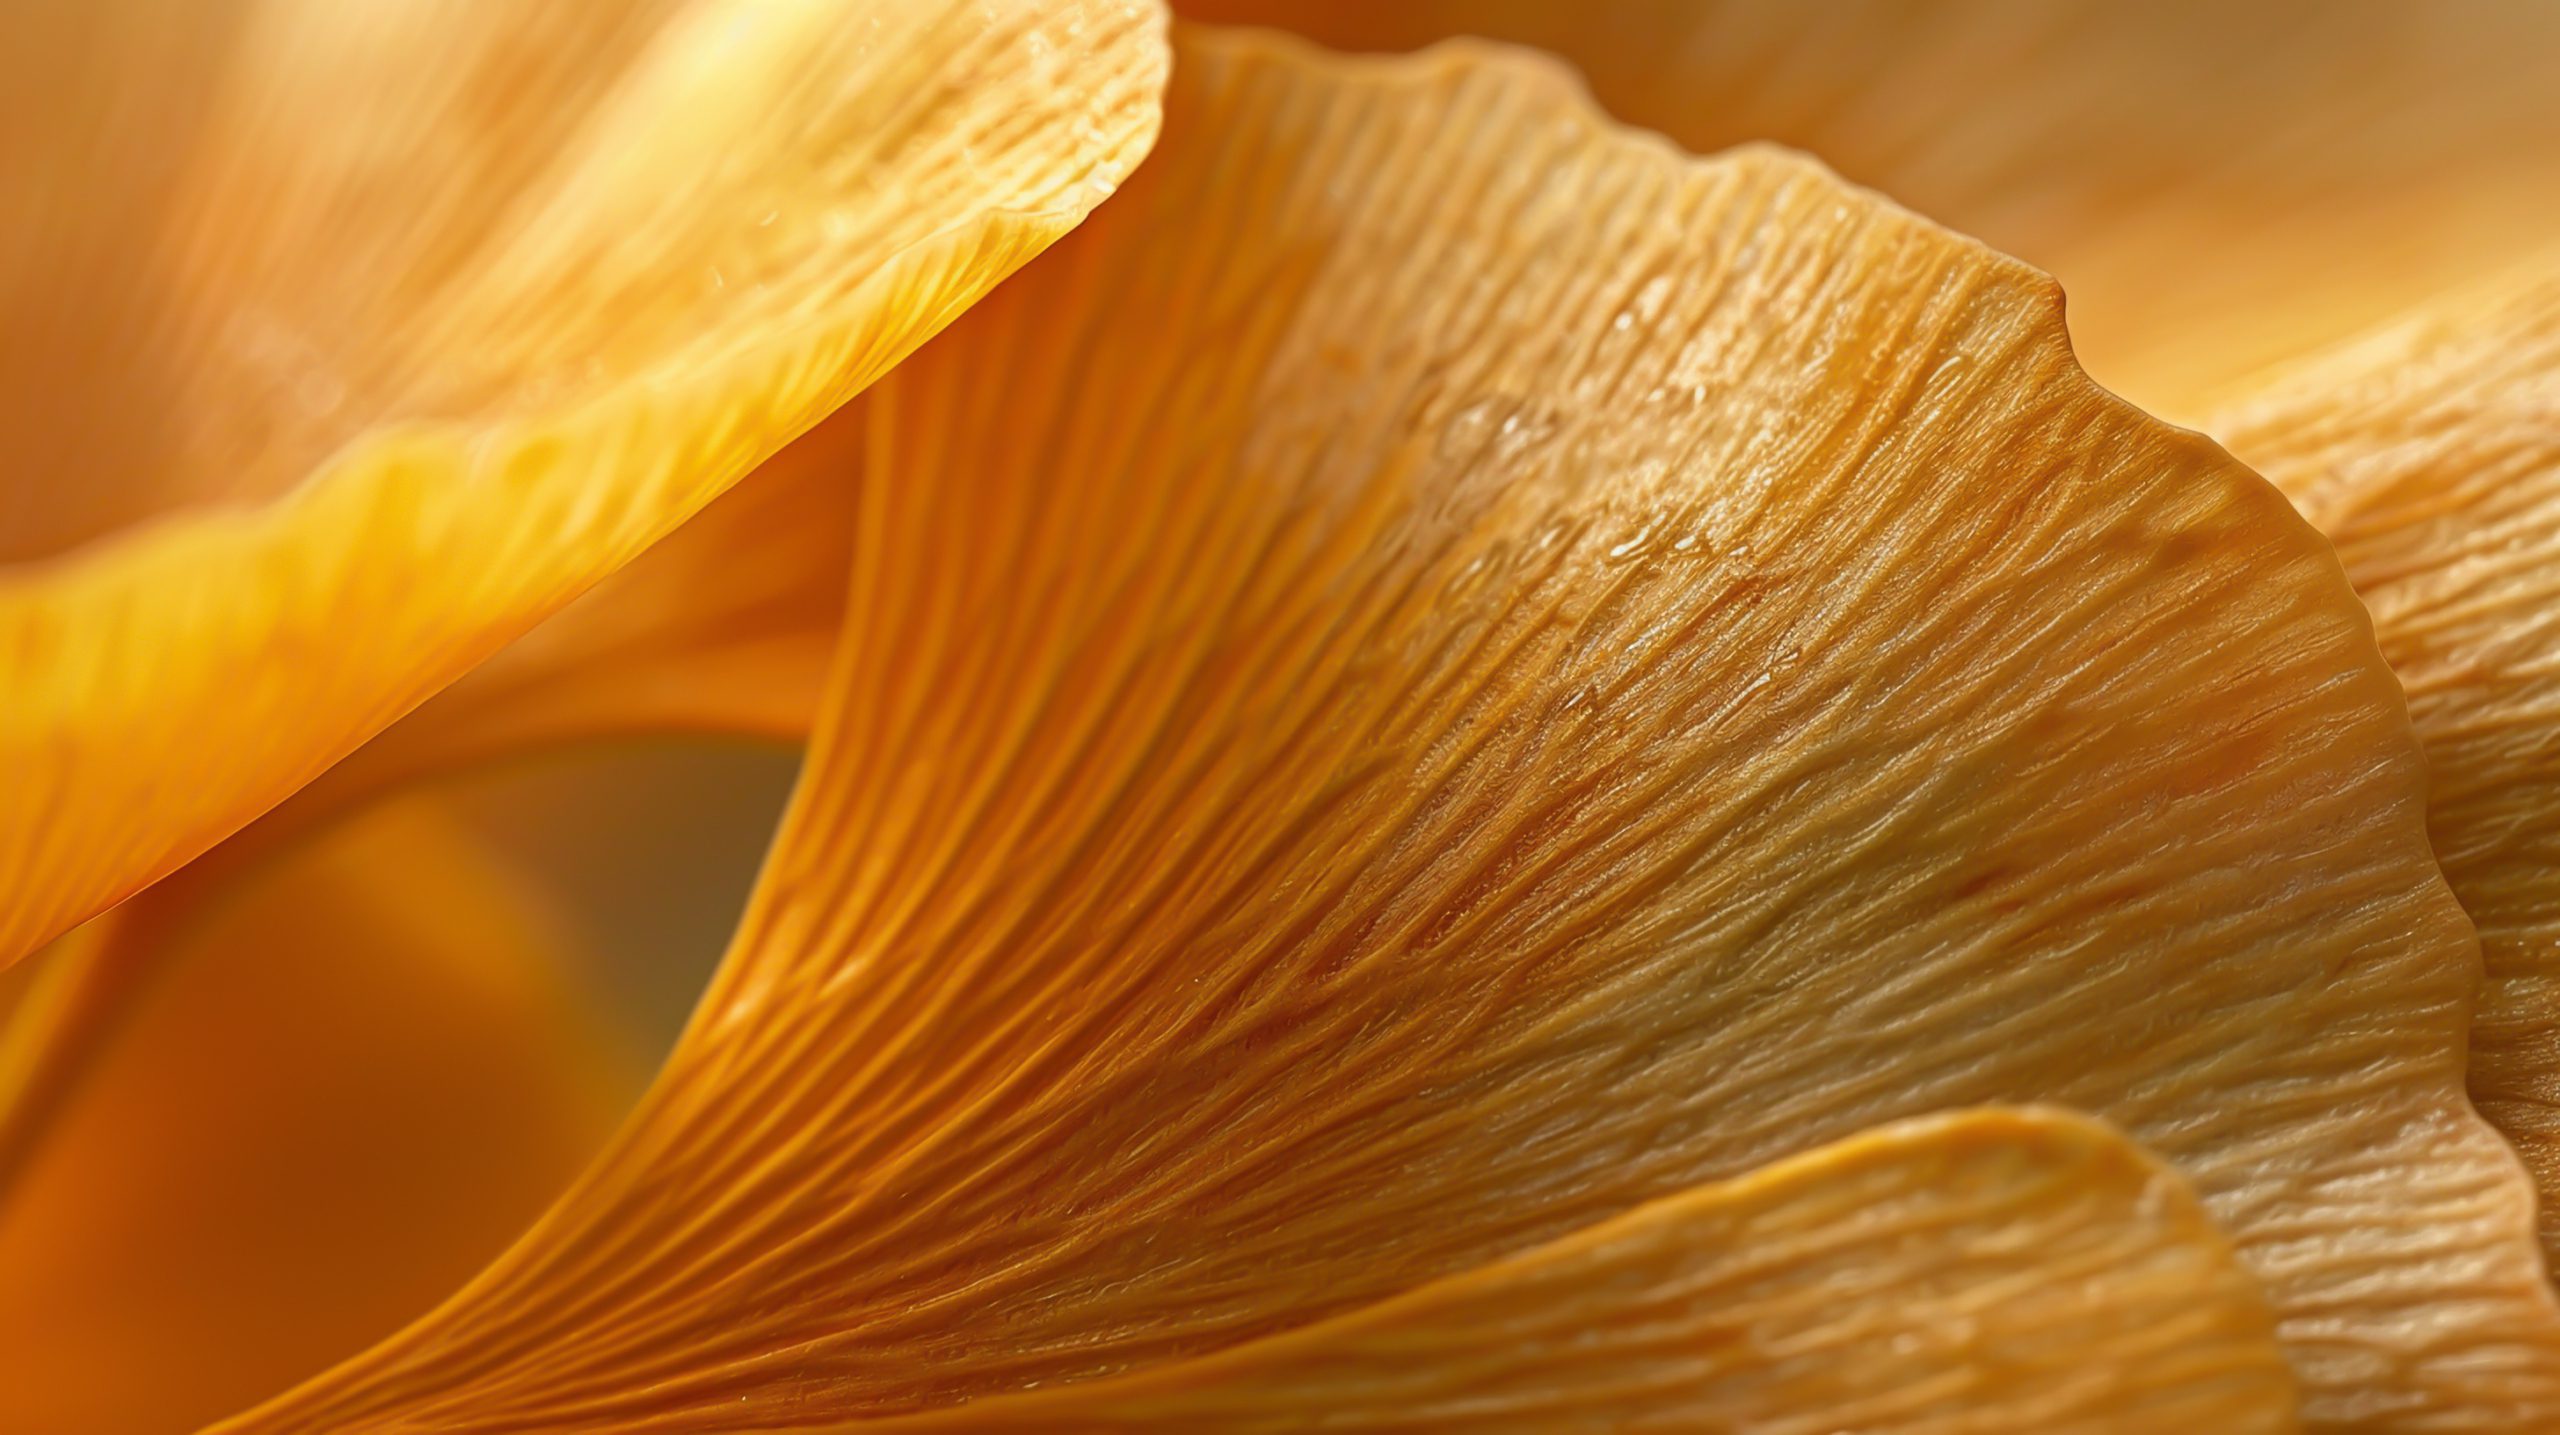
(405, 324)
(1442, 671)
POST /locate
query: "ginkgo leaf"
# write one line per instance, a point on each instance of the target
(2430, 454)
(353, 1082)
(378, 332)
(1984, 1272)
(2220, 184)
(1442, 671)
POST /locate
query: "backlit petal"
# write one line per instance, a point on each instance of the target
(405, 323)
(1442, 671)
(2430, 453)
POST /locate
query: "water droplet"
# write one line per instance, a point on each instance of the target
(1632, 546)
(1468, 430)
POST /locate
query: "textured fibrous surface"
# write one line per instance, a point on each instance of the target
(1988, 1272)
(379, 406)
(1441, 672)
(2430, 454)
(2265, 212)
(2219, 185)
(351, 1084)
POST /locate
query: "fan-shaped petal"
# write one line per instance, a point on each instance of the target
(1442, 671)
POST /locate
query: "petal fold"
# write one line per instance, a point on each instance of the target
(421, 321)
(1442, 671)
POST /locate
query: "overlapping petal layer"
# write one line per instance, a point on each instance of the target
(2220, 184)
(2269, 208)
(404, 325)
(1989, 1272)
(2430, 453)
(355, 1081)
(1442, 672)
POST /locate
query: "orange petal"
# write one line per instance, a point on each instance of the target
(2430, 453)
(355, 1082)
(725, 627)
(1985, 1272)
(1441, 671)
(2219, 184)
(407, 325)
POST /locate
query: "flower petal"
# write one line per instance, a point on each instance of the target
(431, 322)
(351, 1086)
(1442, 671)
(1989, 1271)
(725, 627)
(2220, 184)
(2430, 453)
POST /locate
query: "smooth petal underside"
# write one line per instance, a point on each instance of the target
(353, 1083)
(1442, 671)
(1989, 1272)
(2220, 184)
(389, 329)
(2430, 454)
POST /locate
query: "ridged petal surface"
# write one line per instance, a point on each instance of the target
(1968, 1275)
(347, 342)
(2220, 184)
(2430, 454)
(353, 1082)
(1442, 671)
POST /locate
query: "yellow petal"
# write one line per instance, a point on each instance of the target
(355, 1081)
(723, 628)
(2219, 184)
(2430, 453)
(1441, 671)
(416, 322)
(1986, 1272)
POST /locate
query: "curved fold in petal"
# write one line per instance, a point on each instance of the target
(724, 627)
(2430, 454)
(2323, 164)
(355, 1081)
(414, 323)
(1986, 1272)
(1442, 671)
(2220, 184)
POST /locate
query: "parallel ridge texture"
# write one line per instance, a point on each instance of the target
(460, 313)
(1442, 671)
(2431, 455)
(1983, 1273)
(2218, 186)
